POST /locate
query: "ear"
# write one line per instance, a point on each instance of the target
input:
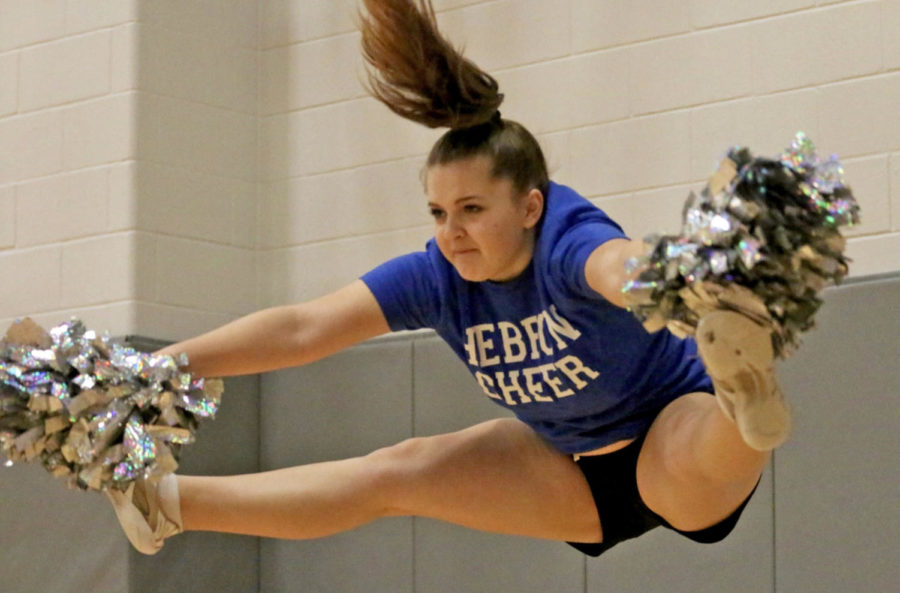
(534, 207)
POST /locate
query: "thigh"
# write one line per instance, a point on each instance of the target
(497, 476)
(694, 469)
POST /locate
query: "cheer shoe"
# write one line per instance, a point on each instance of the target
(739, 358)
(149, 512)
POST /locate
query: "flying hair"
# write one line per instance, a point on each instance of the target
(417, 73)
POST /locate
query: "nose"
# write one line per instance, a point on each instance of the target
(452, 227)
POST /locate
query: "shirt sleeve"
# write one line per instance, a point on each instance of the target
(571, 252)
(406, 291)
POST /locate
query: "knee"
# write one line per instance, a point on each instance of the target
(408, 473)
(393, 472)
(418, 454)
(692, 440)
(399, 457)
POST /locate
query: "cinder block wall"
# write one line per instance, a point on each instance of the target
(66, 128)
(128, 135)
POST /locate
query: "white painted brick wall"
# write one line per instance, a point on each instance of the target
(871, 185)
(557, 149)
(537, 30)
(181, 202)
(708, 13)
(538, 105)
(30, 146)
(890, 25)
(211, 71)
(895, 191)
(123, 73)
(25, 22)
(208, 139)
(283, 22)
(598, 24)
(38, 279)
(302, 273)
(762, 123)
(91, 275)
(308, 74)
(836, 43)
(9, 89)
(99, 131)
(859, 117)
(622, 209)
(59, 127)
(127, 131)
(875, 254)
(353, 202)
(204, 276)
(195, 177)
(233, 22)
(89, 15)
(337, 136)
(122, 208)
(658, 210)
(691, 70)
(7, 217)
(632, 154)
(62, 207)
(64, 71)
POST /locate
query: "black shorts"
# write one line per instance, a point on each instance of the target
(623, 515)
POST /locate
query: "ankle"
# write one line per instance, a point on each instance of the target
(169, 499)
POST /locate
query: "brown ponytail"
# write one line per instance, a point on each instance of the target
(419, 75)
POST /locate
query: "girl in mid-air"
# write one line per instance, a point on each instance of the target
(616, 430)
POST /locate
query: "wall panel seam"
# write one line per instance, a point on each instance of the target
(66, 106)
(247, 114)
(413, 432)
(374, 163)
(774, 524)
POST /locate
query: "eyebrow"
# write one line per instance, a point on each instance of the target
(457, 201)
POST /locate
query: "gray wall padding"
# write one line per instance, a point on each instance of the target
(837, 495)
(210, 562)
(64, 541)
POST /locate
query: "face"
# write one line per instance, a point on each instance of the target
(482, 226)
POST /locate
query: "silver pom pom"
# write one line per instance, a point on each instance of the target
(763, 238)
(92, 411)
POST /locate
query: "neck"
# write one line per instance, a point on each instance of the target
(520, 262)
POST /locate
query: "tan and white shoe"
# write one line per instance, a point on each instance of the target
(149, 512)
(739, 358)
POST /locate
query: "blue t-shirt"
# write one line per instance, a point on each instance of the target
(579, 370)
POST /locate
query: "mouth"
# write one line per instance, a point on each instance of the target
(458, 252)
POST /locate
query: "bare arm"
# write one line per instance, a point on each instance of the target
(605, 268)
(286, 336)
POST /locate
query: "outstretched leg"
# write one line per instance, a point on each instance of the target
(695, 468)
(496, 476)
(701, 459)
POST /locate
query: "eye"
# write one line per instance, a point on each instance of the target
(436, 213)
(473, 208)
